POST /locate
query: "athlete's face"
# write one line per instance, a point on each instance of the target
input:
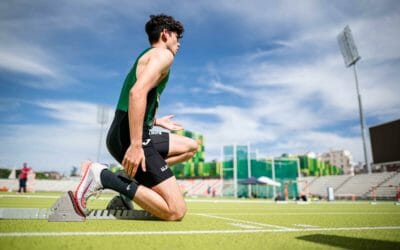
(172, 42)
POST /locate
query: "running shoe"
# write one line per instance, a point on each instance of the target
(89, 185)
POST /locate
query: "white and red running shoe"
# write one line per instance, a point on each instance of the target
(89, 185)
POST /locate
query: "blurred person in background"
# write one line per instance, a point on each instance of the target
(23, 178)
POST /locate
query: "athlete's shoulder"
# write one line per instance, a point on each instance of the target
(162, 54)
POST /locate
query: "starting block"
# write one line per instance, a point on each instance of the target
(107, 214)
(65, 210)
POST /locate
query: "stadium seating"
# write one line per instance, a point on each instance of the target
(388, 188)
(360, 186)
(318, 186)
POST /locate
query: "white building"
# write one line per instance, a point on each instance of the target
(339, 158)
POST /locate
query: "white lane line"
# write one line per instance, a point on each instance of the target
(123, 233)
(305, 226)
(244, 221)
(246, 226)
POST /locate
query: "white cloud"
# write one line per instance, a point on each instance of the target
(43, 66)
(243, 126)
(24, 65)
(377, 38)
(70, 139)
(217, 87)
(71, 112)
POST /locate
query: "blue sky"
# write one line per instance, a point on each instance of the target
(268, 73)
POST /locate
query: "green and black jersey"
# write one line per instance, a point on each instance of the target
(153, 96)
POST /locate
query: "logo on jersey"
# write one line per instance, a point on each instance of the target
(164, 168)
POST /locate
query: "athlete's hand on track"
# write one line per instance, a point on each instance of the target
(134, 157)
(165, 122)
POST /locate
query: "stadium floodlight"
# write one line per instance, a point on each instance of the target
(348, 47)
(351, 56)
(102, 118)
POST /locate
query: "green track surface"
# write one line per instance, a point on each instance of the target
(212, 224)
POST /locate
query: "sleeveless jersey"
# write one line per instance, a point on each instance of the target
(153, 97)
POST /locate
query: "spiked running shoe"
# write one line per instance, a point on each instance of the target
(89, 185)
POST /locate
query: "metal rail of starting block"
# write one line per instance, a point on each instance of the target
(64, 209)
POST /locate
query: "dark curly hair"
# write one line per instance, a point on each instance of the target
(157, 23)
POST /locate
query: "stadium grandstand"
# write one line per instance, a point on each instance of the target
(383, 186)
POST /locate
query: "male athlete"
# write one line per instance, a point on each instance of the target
(144, 156)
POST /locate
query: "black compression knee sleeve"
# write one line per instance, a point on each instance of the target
(118, 183)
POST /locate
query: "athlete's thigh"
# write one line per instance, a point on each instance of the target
(160, 141)
(157, 170)
(180, 144)
(170, 191)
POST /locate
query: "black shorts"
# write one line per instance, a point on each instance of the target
(155, 147)
(160, 141)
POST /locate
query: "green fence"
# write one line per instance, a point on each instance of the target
(238, 165)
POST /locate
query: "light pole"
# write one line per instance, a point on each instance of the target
(249, 188)
(351, 56)
(235, 184)
(102, 118)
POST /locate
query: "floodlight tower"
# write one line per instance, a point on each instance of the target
(102, 118)
(351, 56)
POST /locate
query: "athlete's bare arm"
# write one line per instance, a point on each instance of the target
(152, 68)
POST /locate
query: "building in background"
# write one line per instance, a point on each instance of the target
(342, 159)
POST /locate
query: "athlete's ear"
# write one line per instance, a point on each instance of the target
(164, 35)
